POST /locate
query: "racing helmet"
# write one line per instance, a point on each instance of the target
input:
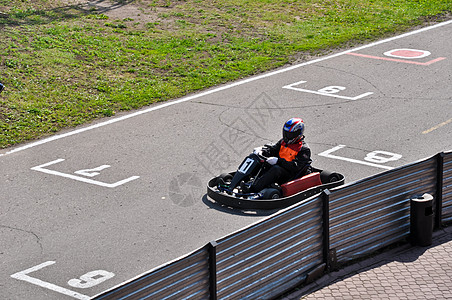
(293, 130)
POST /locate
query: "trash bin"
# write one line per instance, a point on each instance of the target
(421, 219)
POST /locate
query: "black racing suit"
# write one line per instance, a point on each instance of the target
(294, 160)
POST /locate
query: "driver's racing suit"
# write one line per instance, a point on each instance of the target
(294, 160)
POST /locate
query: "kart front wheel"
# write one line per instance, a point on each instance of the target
(224, 178)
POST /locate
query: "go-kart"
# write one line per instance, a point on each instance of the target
(229, 188)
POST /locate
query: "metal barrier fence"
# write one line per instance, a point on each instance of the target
(186, 278)
(447, 188)
(375, 212)
(259, 261)
(301, 242)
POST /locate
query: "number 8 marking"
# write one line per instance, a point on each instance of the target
(373, 159)
(382, 157)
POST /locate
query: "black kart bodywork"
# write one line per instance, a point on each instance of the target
(226, 188)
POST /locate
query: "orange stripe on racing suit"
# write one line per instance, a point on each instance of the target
(290, 151)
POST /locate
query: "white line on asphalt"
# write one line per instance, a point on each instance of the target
(328, 154)
(41, 168)
(218, 89)
(292, 86)
(23, 275)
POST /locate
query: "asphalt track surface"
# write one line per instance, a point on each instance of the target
(87, 209)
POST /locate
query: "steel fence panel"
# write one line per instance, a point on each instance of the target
(447, 187)
(186, 278)
(374, 212)
(378, 204)
(381, 182)
(272, 255)
(276, 254)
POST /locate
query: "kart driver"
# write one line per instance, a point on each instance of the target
(289, 158)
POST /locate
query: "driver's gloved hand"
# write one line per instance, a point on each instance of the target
(257, 151)
(272, 160)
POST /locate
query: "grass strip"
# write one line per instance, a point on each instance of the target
(65, 63)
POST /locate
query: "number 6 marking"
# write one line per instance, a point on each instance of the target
(332, 89)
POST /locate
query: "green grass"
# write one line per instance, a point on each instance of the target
(65, 65)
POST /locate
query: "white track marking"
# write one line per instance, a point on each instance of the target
(292, 86)
(91, 172)
(218, 89)
(328, 154)
(23, 275)
(41, 168)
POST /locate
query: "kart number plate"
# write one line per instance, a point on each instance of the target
(244, 168)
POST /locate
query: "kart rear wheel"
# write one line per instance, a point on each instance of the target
(328, 177)
(271, 193)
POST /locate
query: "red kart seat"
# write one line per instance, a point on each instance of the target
(292, 187)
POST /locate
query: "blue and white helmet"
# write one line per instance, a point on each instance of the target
(293, 130)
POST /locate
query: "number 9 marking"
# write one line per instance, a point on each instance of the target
(90, 279)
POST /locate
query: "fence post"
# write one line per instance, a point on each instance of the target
(212, 248)
(326, 228)
(439, 190)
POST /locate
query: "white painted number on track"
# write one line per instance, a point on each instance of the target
(382, 157)
(88, 172)
(373, 159)
(87, 280)
(90, 279)
(330, 91)
(91, 172)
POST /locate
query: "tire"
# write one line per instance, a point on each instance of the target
(276, 187)
(271, 193)
(224, 178)
(328, 177)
